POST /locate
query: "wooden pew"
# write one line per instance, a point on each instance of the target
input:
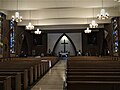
(91, 58)
(31, 69)
(34, 63)
(5, 83)
(93, 85)
(92, 81)
(44, 66)
(40, 66)
(92, 64)
(93, 74)
(16, 65)
(24, 76)
(52, 59)
(19, 66)
(15, 79)
(93, 78)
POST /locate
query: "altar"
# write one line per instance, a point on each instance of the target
(63, 54)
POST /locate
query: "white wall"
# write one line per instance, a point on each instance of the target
(52, 39)
(77, 40)
(75, 37)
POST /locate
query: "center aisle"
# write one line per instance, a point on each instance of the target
(54, 79)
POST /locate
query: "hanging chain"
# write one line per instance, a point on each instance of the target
(102, 4)
(17, 5)
(93, 13)
(30, 15)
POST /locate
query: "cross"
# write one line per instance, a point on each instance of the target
(64, 45)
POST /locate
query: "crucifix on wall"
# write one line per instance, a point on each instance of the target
(64, 43)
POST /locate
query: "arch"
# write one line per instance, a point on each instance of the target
(68, 39)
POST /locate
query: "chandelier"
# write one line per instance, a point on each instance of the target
(93, 24)
(37, 31)
(103, 15)
(30, 26)
(17, 17)
(87, 30)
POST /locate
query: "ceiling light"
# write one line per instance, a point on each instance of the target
(93, 24)
(103, 15)
(37, 31)
(17, 17)
(30, 26)
(87, 30)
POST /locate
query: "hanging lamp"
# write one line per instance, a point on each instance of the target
(93, 24)
(30, 26)
(17, 17)
(103, 14)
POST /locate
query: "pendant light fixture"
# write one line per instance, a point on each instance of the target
(87, 30)
(38, 30)
(103, 14)
(30, 26)
(17, 17)
(93, 24)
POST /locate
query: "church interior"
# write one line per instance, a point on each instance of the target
(59, 44)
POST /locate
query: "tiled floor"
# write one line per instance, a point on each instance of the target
(54, 79)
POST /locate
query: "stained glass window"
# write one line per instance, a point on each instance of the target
(1, 43)
(115, 36)
(12, 37)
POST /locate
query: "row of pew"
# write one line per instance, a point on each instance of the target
(93, 58)
(23, 73)
(85, 73)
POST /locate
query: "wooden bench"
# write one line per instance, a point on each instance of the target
(40, 67)
(24, 76)
(15, 79)
(52, 59)
(93, 85)
(94, 81)
(93, 74)
(19, 66)
(5, 83)
(44, 66)
(93, 78)
(31, 70)
(36, 64)
(91, 58)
